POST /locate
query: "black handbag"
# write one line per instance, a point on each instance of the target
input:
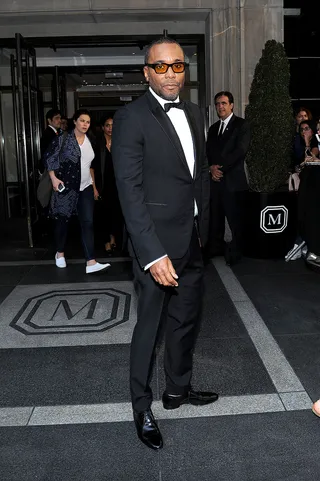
(44, 190)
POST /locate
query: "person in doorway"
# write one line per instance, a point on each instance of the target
(68, 160)
(158, 151)
(52, 131)
(53, 119)
(64, 126)
(298, 148)
(105, 189)
(227, 144)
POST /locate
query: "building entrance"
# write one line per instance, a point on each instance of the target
(99, 74)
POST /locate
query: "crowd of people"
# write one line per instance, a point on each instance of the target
(306, 149)
(152, 170)
(306, 175)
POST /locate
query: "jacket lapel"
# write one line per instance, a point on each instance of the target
(195, 135)
(229, 129)
(167, 127)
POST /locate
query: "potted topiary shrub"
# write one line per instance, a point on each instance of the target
(270, 220)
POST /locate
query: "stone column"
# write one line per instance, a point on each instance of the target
(235, 36)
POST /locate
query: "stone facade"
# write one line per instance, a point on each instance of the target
(235, 30)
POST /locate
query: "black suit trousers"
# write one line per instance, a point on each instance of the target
(177, 310)
(230, 205)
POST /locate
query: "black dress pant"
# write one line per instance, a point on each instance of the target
(179, 307)
(225, 204)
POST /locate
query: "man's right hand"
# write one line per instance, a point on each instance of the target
(216, 173)
(163, 272)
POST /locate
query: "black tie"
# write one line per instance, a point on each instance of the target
(177, 105)
(221, 129)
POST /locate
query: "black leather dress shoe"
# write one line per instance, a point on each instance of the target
(232, 255)
(233, 261)
(147, 429)
(196, 398)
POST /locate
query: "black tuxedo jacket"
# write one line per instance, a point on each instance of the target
(155, 187)
(230, 151)
(46, 139)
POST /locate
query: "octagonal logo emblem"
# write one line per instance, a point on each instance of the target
(73, 311)
(274, 219)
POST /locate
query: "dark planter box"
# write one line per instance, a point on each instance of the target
(270, 224)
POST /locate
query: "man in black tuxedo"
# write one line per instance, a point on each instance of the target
(53, 118)
(158, 151)
(227, 144)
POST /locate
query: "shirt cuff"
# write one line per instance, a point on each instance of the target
(153, 262)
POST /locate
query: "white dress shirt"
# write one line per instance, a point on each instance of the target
(224, 123)
(55, 130)
(181, 125)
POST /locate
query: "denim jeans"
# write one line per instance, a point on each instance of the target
(85, 215)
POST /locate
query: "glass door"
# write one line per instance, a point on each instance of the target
(26, 110)
(11, 169)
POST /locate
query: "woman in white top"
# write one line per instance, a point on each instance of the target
(68, 161)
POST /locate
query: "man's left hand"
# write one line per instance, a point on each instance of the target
(164, 273)
(216, 173)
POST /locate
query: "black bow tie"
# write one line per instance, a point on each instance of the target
(177, 105)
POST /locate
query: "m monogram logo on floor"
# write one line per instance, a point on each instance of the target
(72, 311)
(71, 314)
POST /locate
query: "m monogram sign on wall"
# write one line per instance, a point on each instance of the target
(274, 219)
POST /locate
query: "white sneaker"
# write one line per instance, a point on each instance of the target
(311, 257)
(60, 261)
(296, 256)
(96, 268)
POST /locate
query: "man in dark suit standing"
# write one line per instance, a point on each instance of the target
(227, 144)
(53, 118)
(158, 151)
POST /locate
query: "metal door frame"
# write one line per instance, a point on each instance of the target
(22, 70)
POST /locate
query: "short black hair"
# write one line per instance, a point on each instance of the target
(159, 41)
(80, 112)
(52, 113)
(311, 124)
(224, 93)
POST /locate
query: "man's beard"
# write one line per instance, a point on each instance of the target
(171, 97)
